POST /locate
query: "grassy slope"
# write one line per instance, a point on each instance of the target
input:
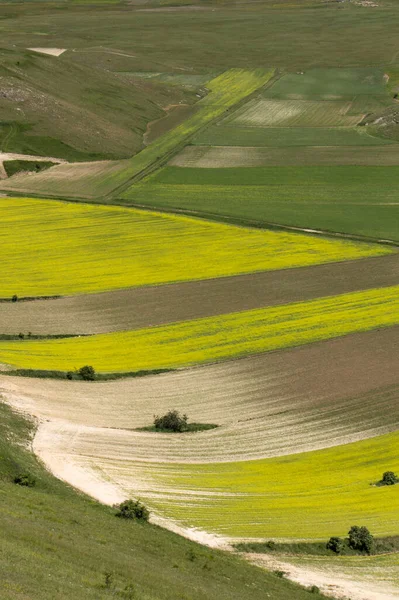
(312, 496)
(74, 111)
(57, 544)
(212, 338)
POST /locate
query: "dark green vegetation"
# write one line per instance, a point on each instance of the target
(174, 422)
(388, 478)
(17, 166)
(43, 374)
(133, 509)
(58, 544)
(337, 546)
(33, 336)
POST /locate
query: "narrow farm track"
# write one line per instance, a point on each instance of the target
(312, 397)
(159, 305)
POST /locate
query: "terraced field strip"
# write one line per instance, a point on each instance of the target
(223, 135)
(236, 156)
(261, 112)
(286, 402)
(92, 180)
(158, 305)
(355, 200)
(213, 338)
(312, 495)
(54, 248)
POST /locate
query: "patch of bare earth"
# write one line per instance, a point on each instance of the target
(236, 156)
(159, 305)
(49, 51)
(331, 581)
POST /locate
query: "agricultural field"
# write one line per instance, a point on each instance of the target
(148, 306)
(219, 236)
(240, 156)
(268, 405)
(294, 113)
(79, 180)
(276, 137)
(105, 247)
(211, 339)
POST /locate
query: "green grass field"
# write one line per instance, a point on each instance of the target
(211, 339)
(312, 496)
(223, 135)
(52, 248)
(57, 544)
(350, 199)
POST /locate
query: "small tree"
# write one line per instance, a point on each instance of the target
(133, 509)
(87, 373)
(335, 544)
(172, 421)
(14, 298)
(389, 478)
(361, 539)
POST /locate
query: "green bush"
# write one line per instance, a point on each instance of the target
(389, 478)
(336, 544)
(87, 373)
(172, 421)
(14, 298)
(133, 509)
(25, 479)
(361, 539)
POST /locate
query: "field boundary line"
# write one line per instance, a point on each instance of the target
(207, 216)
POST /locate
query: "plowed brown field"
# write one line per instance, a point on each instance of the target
(312, 397)
(158, 305)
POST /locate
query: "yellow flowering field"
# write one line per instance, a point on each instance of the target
(50, 247)
(212, 339)
(313, 495)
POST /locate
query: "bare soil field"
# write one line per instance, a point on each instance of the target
(49, 51)
(236, 156)
(94, 174)
(158, 305)
(312, 397)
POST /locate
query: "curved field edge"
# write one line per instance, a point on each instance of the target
(213, 338)
(51, 529)
(269, 498)
(295, 400)
(51, 247)
(158, 305)
(91, 181)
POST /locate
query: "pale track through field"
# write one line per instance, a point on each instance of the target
(356, 374)
(159, 305)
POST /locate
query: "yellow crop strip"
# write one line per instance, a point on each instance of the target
(313, 495)
(50, 247)
(212, 339)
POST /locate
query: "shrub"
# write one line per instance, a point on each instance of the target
(21, 336)
(389, 478)
(314, 589)
(87, 373)
(133, 509)
(172, 421)
(336, 544)
(25, 479)
(108, 579)
(69, 375)
(361, 539)
(279, 574)
(14, 298)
